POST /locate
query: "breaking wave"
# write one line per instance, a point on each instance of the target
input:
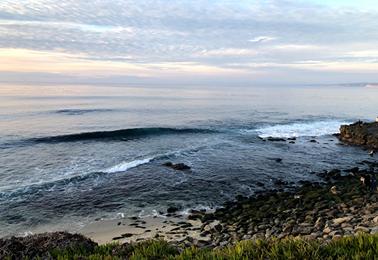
(127, 165)
(317, 128)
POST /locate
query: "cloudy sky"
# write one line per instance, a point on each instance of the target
(189, 41)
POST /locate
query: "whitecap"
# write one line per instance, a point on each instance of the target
(316, 128)
(124, 166)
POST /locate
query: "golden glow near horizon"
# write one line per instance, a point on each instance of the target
(32, 61)
(55, 62)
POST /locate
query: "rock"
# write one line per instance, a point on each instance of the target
(215, 225)
(178, 166)
(127, 235)
(341, 220)
(327, 230)
(334, 190)
(218, 228)
(353, 170)
(359, 133)
(280, 182)
(168, 164)
(246, 237)
(39, 246)
(195, 216)
(335, 233)
(258, 236)
(361, 229)
(276, 139)
(172, 209)
(316, 234)
(336, 236)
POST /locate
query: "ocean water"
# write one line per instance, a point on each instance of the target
(73, 154)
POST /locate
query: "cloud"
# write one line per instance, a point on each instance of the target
(176, 38)
(259, 39)
(229, 52)
(24, 60)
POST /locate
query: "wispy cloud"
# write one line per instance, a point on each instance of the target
(259, 39)
(180, 38)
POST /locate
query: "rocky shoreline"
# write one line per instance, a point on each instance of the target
(340, 206)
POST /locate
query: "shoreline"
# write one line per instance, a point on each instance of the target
(338, 214)
(340, 205)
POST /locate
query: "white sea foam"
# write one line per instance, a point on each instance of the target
(317, 128)
(187, 211)
(124, 166)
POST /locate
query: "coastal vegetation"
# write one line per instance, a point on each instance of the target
(361, 246)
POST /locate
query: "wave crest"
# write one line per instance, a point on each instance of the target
(123, 134)
(127, 165)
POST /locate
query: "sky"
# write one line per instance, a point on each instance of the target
(189, 41)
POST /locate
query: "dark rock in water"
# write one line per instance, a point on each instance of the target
(181, 167)
(168, 164)
(280, 182)
(292, 139)
(276, 139)
(353, 170)
(359, 133)
(172, 209)
(40, 246)
(334, 172)
(313, 141)
(178, 166)
(278, 160)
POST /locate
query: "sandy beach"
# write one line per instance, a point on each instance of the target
(175, 228)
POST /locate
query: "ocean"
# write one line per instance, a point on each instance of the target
(71, 154)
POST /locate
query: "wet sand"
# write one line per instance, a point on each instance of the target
(134, 229)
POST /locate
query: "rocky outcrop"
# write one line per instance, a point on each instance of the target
(177, 167)
(39, 246)
(359, 133)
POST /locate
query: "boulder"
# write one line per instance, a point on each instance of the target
(341, 220)
(172, 209)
